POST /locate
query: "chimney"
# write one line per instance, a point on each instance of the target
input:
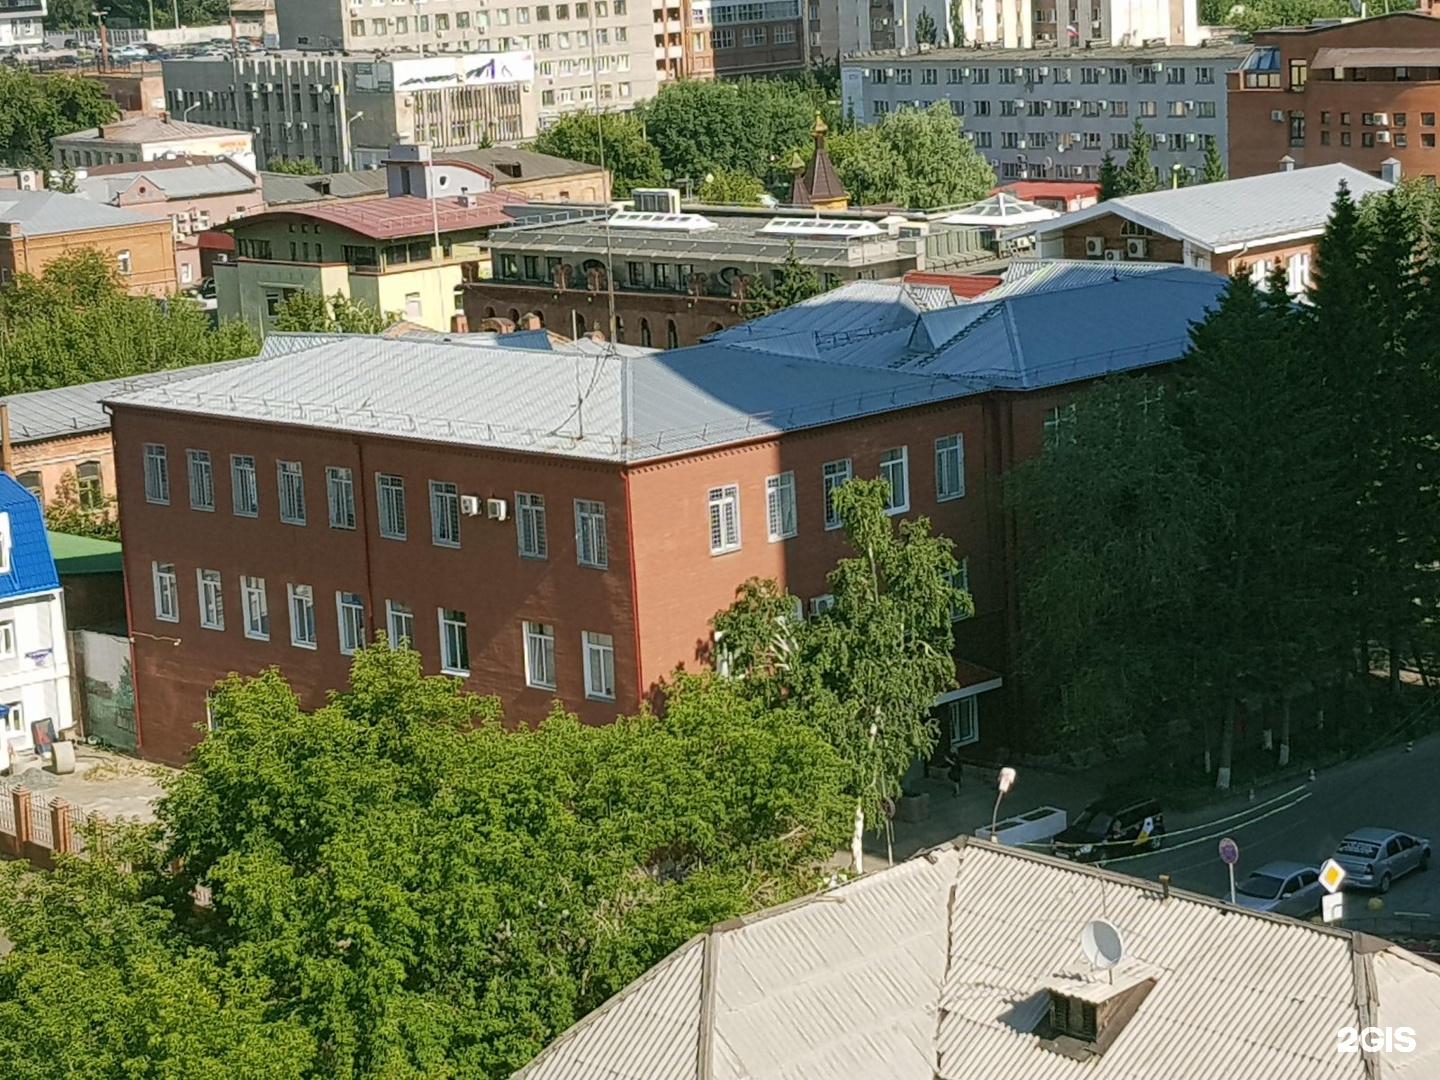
(1287, 164)
(1164, 886)
(1390, 170)
(531, 321)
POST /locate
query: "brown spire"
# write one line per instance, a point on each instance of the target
(822, 182)
(799, 195)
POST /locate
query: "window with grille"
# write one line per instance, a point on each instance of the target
(454, 643)
(157, 474)
(351, 610)
(724, 519)
(292, 492)
(530, 525)
(835, 475)
(540, 655)
(202, 480)
(599, 666)
(340, 488)
(949, 467)
(590, 534)
(212, 603)
(444, 514)
(257, 608)
(244, 491)
(895, 471)
(167, 593)
(302, 616)
(390, 494)
(400, 623)
(780, 515)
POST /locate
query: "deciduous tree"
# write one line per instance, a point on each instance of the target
(307, 312)
(731, 189)
(35, 109)
(916, 158)
(67, 512)
(617, 139)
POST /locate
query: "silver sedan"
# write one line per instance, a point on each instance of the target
(1373, 858)
(1285, 888)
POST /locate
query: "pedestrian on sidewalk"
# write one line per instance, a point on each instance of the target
(954, 770)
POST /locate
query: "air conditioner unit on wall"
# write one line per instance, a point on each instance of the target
(1114, 256)
(1277, 115)
(1135, 248)
(470, 505)
(1094, 247)
(1382, 136)
(497, 509)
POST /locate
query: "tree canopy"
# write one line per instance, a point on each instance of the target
(1214, 170)
(76, 323)
(294, 166)
(35, 109)
(632, 160)
(307, 312)
(731, 189)
(792, 281)
(915, 158)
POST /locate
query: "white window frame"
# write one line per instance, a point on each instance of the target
(210, 588)
(244, 485)
(396, 615)
(9, 643)
(300, 598)
(390, 497)
(14, 718)
(724, 511)
(833, 476)
(949, 459)
(167, 591)
(6, 547)
(781, 511)
(960, 580)
(888, 461)
(539, 653)
(254, 601)
(965, 707)
(157, 475)
(445, 657)
(340, 494)
(290, 484)
(530, 524)
(590, 539)
(202, 480)
(599, 653)
(351, 624)
(444, 514)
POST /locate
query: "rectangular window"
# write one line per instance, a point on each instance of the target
(454, 643)
(340, 490)
(302, 616)
(244, 493)
(895, 471)
(599, 666)
(960, 581)
(257, 608)
(202, 480)
(8, 649)
(157, 475)
(444, 514)
(530, 525)
(590, 534)
(399, 623)
(351, 611)
(390, 493)
(835, 474)
(540, 655)
(1059, 426)
(960, 718)
(212, 602)
(292, 492)
(724, 519)
(949, 467)
(167, 593)
(780, 511)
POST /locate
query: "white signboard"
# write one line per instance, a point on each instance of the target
(1332, 907)
(472, 69)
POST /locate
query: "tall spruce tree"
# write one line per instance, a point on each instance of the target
(1137, 175)
(1214, 168)
(1109, 178)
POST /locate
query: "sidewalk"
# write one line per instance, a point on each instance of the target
(111, 785)
(958, 815)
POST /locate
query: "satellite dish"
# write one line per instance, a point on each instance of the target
(1100, 942)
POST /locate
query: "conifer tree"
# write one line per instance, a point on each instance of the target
(1137, 175)
(1214, 169)
(1109, 178)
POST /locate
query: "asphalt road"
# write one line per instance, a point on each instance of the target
(1392, 789)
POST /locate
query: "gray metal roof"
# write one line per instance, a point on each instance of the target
(971, 57)
(205, 178)
(863, 349)
(145, 129)
(1230, 214)
(43, 213)
(939, 969)
(283, 189)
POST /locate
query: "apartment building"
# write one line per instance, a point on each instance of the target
(551, 521)
(759, 37)
(22, 23)
(1362, 92)
(148, 138)
(1053, 114)
(37, 227)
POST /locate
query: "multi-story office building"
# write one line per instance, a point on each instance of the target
(758, 37)
(1042, 114)
(1078, 23)
(22, 22)
(152, 138)
(1363, 93)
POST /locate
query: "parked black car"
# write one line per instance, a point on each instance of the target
(1110, 828)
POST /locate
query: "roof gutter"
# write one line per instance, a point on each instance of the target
(1284, 238)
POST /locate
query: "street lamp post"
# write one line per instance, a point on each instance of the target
(1005, 782)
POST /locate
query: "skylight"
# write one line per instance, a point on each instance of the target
(820, 227)
(635, 219)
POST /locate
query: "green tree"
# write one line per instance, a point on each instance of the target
(35, 109)
(957, 23)
(790, 283)
(69, 14)
(68, 512)
(1109, 178)
(866, 673)
(307, 312)
(1137, 175)
(294, 166)
(632, 160)
(926, 33)
(1264, 14)
(914, 158)
(75, 323)
(1214, 170)
(731, 189)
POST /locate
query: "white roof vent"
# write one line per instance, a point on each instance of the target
(837, 227)
(635, 219)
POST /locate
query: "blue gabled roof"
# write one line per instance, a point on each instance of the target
(32, 567)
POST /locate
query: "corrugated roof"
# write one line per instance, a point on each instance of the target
(939, 969)
(496, 160)
(1365, 58)
(31, 569)
(281, 189)
(181, 180)
(148, 129)
(864, 349)
(402, 215)
(1232, 213)
(46, 213)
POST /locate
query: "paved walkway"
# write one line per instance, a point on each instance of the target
(111, 785)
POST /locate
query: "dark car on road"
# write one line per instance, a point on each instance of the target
(1110, 828)
(1373, 858)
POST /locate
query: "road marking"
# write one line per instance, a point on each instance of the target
(1203, 839)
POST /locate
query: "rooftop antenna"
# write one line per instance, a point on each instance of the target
(1101, 944)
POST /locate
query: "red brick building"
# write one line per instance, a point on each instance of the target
(1359, 92)
(561, 521)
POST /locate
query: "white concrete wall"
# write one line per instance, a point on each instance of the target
(36, 674)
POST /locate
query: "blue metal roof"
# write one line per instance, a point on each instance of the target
(31, 568)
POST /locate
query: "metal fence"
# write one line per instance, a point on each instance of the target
(40, 822)
(7, 813)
